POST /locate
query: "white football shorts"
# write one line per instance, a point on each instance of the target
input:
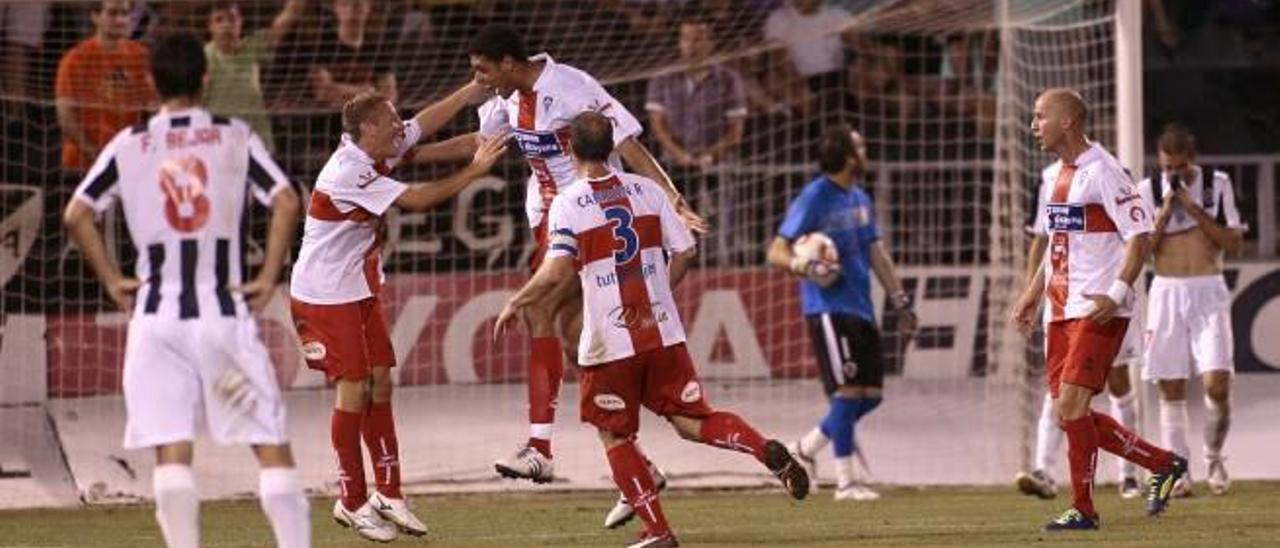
(1188, 328)
(1131, 348)
(214, 372)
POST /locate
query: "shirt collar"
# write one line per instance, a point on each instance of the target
(352, 149)
(543, 57)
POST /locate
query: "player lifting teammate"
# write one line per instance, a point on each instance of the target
(544, 97)
(836, 299)
(182, 178)
(1098, 229)
(615, 230)
(336, 289)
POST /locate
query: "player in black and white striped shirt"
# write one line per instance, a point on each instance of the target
(183, 178)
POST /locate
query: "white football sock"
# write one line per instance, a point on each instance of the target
(286, 507)
(1173, 427)
(1217, 423)
(177, 505)
(844, 471)
(813, 442)
(1122, 410)
(1049, 437)
(541, 431)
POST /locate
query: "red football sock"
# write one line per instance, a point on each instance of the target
(546, 368)
(1118, 440)
(380, 437)
(632, 476)
(729, 431)
(344, 430)
(1082, 452)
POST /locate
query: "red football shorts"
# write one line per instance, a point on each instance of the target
(344, 340)
(662, 380)
(1081, 352)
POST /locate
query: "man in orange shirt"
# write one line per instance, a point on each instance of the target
(101, 86)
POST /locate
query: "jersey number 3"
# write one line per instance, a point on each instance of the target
(623, 232)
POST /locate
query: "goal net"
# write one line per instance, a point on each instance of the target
(942, 92)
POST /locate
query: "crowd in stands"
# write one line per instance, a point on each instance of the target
(719, 83)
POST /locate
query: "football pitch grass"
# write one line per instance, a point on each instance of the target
(904, 517)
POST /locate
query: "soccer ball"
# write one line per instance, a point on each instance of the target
(816, 246)
(820, 259)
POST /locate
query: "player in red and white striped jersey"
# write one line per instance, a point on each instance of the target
(1098, 229)
(615, 230)
(336, 284)
(536, 100)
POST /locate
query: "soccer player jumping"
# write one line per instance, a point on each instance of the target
(1098, 229)
(543, 98)
(615, 229)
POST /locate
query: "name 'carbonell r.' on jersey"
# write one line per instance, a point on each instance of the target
(617, 229)
(182, 178)
(1091, 208)
(539, 123)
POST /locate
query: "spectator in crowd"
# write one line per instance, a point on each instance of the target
(235, 62)
(698, 116)
(880, 93)
(967, 76)
(23, 25)
(351, 57)
(102, 86)
(814, 36)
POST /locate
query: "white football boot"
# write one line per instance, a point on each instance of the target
(527, 463)
(365, 521)
(397, 512)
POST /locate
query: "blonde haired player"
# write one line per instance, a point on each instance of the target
(616, 231)
(1098, 229)
(182, 178)
(336, 288)
(1188, 304)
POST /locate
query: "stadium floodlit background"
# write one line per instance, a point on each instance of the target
(941, 89)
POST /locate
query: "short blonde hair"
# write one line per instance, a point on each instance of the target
(358, 109)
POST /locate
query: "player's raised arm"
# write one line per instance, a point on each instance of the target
(643, 163)
(453, 149)
(424, 196)
(435, 115)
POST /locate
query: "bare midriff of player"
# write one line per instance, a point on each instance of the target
(1188, 307)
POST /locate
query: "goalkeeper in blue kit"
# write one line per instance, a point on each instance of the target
(836, 298)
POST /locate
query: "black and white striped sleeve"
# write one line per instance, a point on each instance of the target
(101, 185)
(265, 177)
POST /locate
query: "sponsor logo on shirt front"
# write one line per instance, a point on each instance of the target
(1065, 217)
(538, 144)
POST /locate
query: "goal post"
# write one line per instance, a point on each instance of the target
(942, 97)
